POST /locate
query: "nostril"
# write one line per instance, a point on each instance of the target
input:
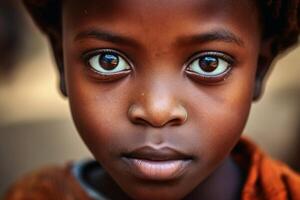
(140, 121)
(137, 115)
(175, 122)
(179, 116)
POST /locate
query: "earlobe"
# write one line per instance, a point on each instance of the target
(264, 63)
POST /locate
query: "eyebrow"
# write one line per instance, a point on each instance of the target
(106, 36)
(221, 35)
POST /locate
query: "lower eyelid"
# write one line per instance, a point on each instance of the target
(209, 79)
(97, 76)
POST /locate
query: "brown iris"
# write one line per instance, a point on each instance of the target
(108, 61)
(208, 63)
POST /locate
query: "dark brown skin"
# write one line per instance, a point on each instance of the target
(158, 100)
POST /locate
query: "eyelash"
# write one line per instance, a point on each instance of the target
(210, 79)
(87, 56)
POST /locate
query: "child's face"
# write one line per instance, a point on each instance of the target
(168, 81)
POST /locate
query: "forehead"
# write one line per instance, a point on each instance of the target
(154, 8)
(162, 17)
(157, 8)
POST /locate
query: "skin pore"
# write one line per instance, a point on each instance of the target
(176, 76)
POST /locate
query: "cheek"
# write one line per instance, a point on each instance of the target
(226, 125)
(97, 110)
(220, 113)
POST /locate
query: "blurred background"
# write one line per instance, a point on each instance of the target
(36, 127)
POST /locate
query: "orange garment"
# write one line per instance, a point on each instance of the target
(266, 180)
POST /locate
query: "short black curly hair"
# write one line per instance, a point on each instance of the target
(280, 21)
(281, 18)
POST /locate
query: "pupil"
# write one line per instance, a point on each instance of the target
(208, 64)
(109, 61)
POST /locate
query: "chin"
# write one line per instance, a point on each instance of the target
(162, 190)
(144, 193)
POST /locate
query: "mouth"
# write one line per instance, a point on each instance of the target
(157, 164)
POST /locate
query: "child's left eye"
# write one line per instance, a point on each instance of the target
(210, 66)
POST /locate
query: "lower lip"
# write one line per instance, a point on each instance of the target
(158, 170)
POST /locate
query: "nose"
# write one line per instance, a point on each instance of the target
(157, 110)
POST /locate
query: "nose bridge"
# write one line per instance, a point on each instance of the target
(160, 100)
(157, 104)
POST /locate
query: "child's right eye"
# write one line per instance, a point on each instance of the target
(107, 62)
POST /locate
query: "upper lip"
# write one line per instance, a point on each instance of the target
(157, 154)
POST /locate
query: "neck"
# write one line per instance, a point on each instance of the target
(224, 184)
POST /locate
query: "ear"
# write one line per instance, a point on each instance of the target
(264, 63)
(56, 44)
